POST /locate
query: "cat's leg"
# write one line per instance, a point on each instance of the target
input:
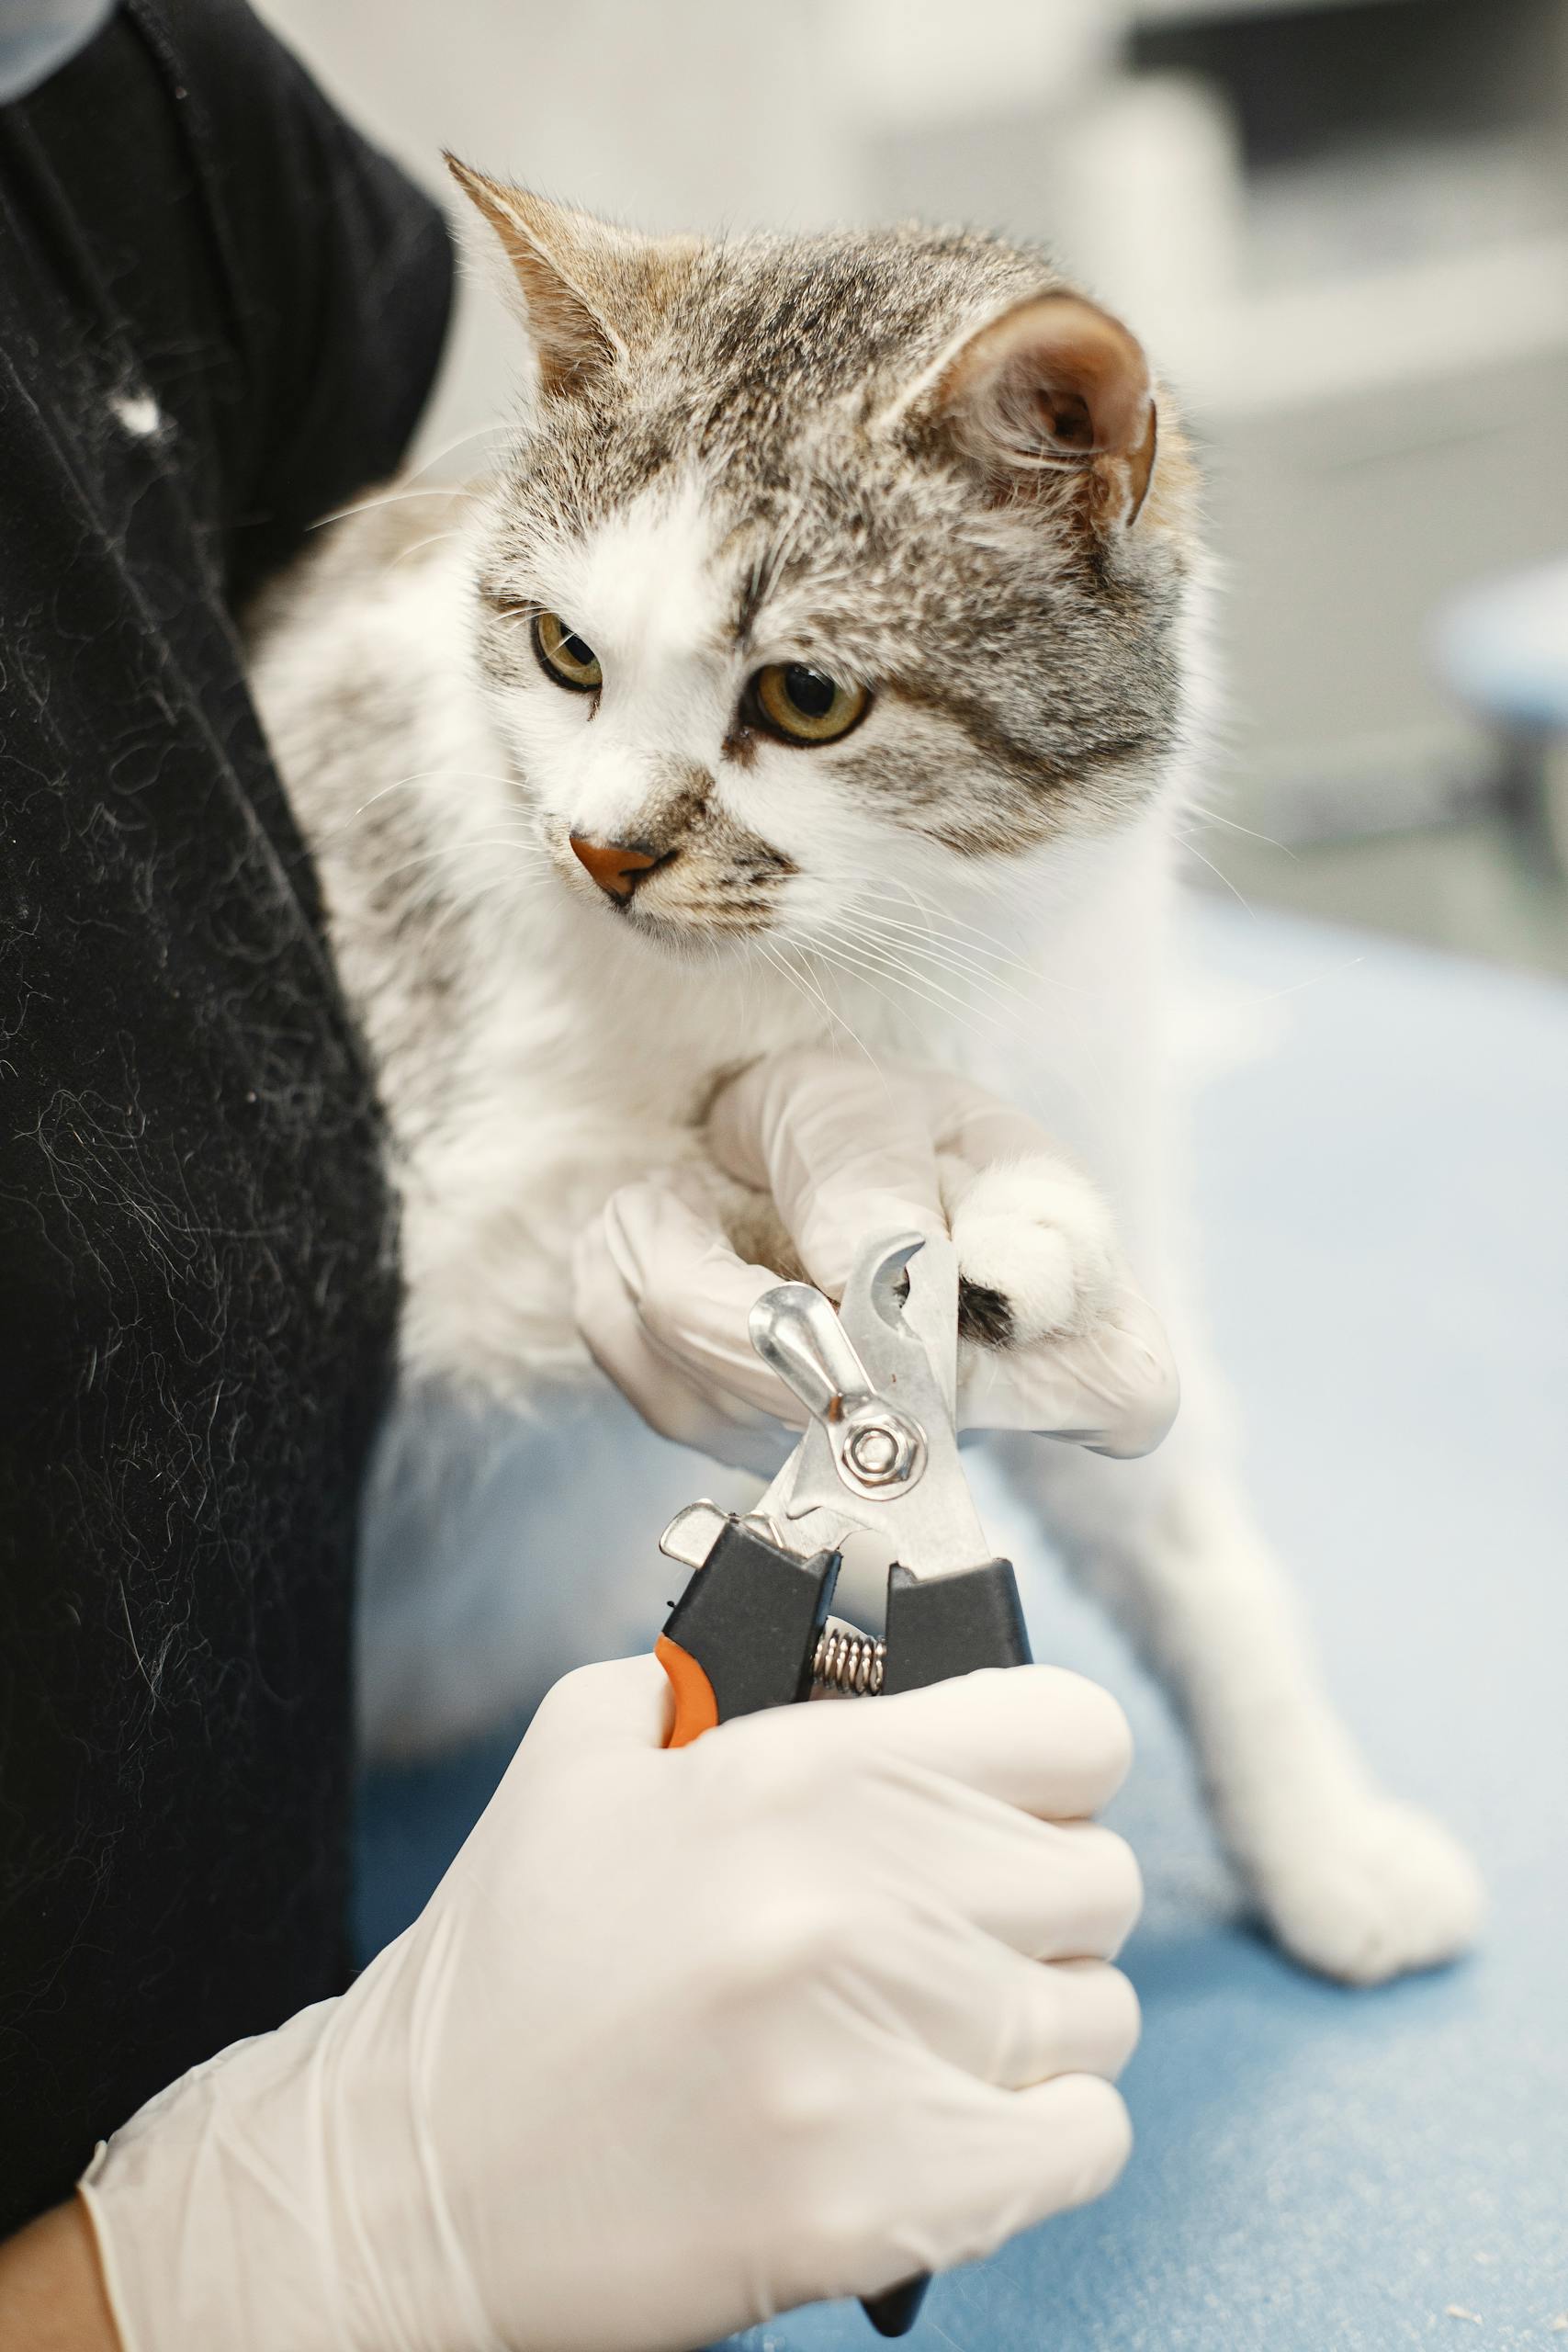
(1351, 1882)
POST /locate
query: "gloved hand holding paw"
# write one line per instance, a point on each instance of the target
(810, 1154)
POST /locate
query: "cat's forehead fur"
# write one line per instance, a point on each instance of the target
(775, 382)
(770, 330)
(738, 343)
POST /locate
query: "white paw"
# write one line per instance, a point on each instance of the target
(1370, 1891)
(1035, 1247)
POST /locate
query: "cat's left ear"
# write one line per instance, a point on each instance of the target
(1053, 386)
(566, 273)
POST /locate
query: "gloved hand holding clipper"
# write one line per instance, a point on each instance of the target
(767, 1614)
(683, 2038)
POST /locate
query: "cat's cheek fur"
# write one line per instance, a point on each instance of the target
(1035, 1234)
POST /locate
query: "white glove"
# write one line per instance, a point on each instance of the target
(685, 2037)
(843, 1153)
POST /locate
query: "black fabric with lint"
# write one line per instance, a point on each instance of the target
(220, 314)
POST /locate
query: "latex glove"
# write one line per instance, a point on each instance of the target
(682, 2037)
(843, 1153)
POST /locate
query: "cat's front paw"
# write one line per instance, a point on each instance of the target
(1369, 1890)
(1058, 1337)
(1036, 1250)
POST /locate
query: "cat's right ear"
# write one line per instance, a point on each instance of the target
(561, 270)
(1052, 386)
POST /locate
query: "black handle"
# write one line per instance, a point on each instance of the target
(896, 2310)
(939, 1627)
(741, 1636)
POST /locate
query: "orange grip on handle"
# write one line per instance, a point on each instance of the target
(743, 1635)
(696, 1709)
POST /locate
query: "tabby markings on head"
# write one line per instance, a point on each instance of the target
(821, 560)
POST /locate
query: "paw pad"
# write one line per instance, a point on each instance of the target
(1035, 1253)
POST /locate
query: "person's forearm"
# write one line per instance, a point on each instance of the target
(52, 2288)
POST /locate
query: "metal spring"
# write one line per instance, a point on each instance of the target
(844, 1660)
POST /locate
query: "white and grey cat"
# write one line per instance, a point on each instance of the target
(825, 652)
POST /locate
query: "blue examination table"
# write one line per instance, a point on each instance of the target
(1382, 1181)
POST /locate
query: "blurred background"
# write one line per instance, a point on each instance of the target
(1341, 230)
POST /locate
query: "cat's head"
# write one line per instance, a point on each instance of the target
(822, 565)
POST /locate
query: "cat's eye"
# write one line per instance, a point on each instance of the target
(567, 659)
(804, 706)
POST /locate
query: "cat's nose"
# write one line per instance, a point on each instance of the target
(616, 869)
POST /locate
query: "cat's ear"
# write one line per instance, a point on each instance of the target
(563, 270)
(1053, 386)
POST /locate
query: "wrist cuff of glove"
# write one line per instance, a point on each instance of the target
(280, 2194)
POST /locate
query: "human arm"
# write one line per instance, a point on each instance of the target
(52, 2288)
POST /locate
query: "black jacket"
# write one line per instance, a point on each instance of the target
(220, 314)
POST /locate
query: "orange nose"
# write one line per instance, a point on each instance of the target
(616, 870)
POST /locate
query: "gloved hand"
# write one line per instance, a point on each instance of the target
(682, 2037)
(838, 1152)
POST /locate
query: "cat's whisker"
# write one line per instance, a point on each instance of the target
(871, 907)
(831, 1010)
(1005, 886)
(860, 980)
(493, 888)
(847, 954)
(399, 783)
(435, 539)
(444, 853)
(946, 954)
(1213, 817)
(771, 952)
(911, 895)
(1070, 1015)
(864, 976)
(774, 951)
(399, 498)
(893, 961)
(1189, 846)
(991, 941)
(404, 783)
(912, 976)
(970, 986)
(446, 448)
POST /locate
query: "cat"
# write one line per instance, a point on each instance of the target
(825, 657)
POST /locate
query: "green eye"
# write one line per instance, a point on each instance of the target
(804, 706)
(564, 656)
